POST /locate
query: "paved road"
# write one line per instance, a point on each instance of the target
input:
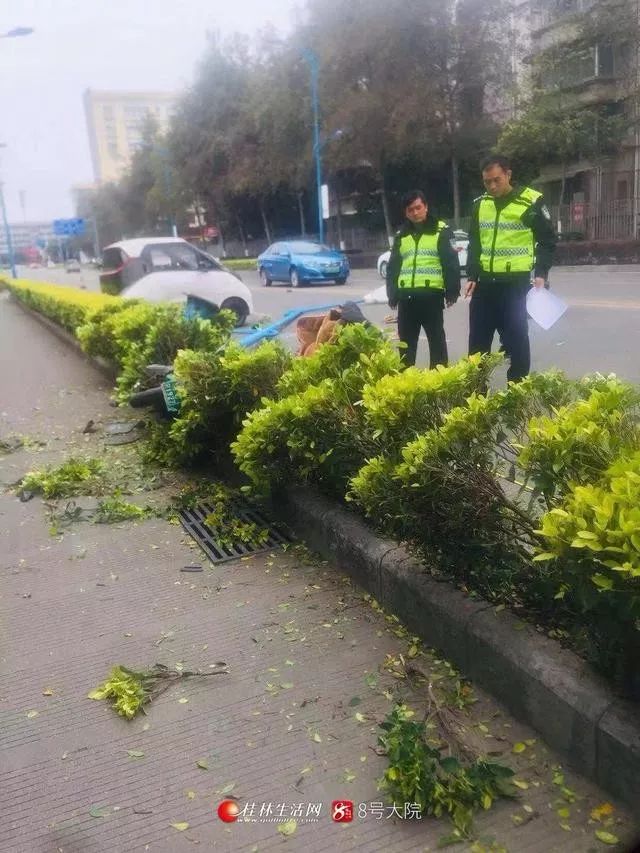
(600, 332)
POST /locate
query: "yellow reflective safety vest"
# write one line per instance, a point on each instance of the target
(507, 245)
(421, 267)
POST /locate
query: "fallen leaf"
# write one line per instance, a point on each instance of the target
(191, 795)
(316, 737)
(202, 764)
(355, 701)
(135, 753)
(146, 727)
(360, 717)
(289, 663)
(32, 714)
(305, 770)
(518, 747)
(47, 692)
(371, 680)
(183, 700)
(566, 827)
(227, 789)
(286, 685)
(363, 758)
(413, 651)
(483, 728)
(288, 827)
(606, 837)
(520, 784)
(349, 775)
(603, 810)
(528, 809)
(564, 813)
(180, 825)
(530, 742)
(99, 811)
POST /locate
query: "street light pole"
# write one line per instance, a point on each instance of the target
(7, 233)
(314, 67)
(16, 32)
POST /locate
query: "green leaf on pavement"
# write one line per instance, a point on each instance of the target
(135, 753)
(288, 827)
(180, 825)
(518, 747)
(99, 811)
(355, 701)
(202, 763)
(606, 837)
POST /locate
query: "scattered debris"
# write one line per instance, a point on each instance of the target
(129, 690)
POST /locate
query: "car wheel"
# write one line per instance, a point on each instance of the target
(239, 308)
(294, 278)
(264, 278)
(341, 281)
(383, 269)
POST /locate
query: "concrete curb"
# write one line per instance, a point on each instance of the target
(66, 337)
(540, 683)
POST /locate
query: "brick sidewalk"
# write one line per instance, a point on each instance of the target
(301, 644)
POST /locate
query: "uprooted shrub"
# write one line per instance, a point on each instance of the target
(351, 345)
(317, 435)
(217, 390)
(135, 334)
(591, 544)
(444, 497)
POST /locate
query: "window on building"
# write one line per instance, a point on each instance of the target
(605, 60)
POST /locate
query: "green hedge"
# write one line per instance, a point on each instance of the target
(529, 496)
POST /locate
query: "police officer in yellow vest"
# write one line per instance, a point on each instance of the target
(511, 235)
(423, 273)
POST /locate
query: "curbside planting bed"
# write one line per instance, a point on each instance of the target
(552, 689)
(519, 509)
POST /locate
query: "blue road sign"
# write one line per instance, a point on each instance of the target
(68, 227)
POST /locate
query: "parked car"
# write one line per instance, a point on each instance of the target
(461, 247)
(302, 262)
(73, 265)
(168, 269)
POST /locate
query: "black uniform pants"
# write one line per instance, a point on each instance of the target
(501, 306)
(424, 310)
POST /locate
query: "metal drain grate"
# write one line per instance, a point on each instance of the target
(208, 538)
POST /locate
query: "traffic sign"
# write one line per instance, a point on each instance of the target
(68, 227)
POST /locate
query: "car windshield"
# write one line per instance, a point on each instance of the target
(304, 247)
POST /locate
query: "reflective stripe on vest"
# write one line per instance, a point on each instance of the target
(421, 265)
(507, 245)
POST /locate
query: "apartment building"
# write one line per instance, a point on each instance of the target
(600, 196)
(114, 124)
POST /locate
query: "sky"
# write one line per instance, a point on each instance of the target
(97, 44)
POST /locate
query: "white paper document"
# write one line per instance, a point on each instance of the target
(544, 307)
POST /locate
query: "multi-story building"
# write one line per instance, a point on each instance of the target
(596, 197)
(28, 235)
(115, 121)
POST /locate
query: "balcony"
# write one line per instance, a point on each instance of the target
(593, 75)
(554, 12)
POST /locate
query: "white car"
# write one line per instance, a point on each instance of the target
(461, 247)
(169, 269)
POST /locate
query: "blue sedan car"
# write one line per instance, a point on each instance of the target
(302, 262)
